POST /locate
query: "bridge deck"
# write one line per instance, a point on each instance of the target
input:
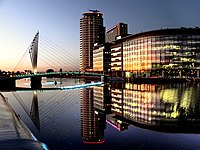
(69, 73)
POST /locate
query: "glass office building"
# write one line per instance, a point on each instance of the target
(101, 58)
(162, 53)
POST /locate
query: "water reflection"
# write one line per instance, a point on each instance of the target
(169, 108)
(166, 108)
(34, 112)
(92, 119)
(53, 116)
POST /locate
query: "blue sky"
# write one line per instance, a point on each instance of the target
(58, 20)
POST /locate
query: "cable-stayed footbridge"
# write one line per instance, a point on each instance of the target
(43, 54)
(51, 57)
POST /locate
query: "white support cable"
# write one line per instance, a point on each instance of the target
(23, 56)
(49, 97)
(53, 57)
(64, 106)
(19, 99)
(24, 107)
(56, 46)
(62, 94)
(65, 60)
(60, 108)
(48, 59)
(59, 55)
(59, 51)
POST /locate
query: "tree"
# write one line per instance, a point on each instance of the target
(49, 70)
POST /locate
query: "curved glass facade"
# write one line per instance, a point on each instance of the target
(163, 53)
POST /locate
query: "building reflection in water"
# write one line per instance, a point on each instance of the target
(166, 108)
(117, 108)
(92, 119)
(169, 108)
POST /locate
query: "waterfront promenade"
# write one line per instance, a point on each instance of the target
(13, 132)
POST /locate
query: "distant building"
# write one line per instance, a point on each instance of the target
(101, 58)
(91, 31)
(112, 36)
(118, 31)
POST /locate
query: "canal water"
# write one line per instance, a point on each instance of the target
(111, 116)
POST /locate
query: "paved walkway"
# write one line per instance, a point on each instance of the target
(13, 132)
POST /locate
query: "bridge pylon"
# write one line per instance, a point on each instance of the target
(33, 51)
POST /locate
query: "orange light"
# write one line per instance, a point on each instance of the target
(97, 142)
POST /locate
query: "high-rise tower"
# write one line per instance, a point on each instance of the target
(91, 31)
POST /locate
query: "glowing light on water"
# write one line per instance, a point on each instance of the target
(44, 83)
(81, 85)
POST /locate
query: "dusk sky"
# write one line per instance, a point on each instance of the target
(58, 20)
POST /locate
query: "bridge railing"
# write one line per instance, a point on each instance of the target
(57, 73)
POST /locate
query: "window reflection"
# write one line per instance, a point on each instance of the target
(168, 108)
